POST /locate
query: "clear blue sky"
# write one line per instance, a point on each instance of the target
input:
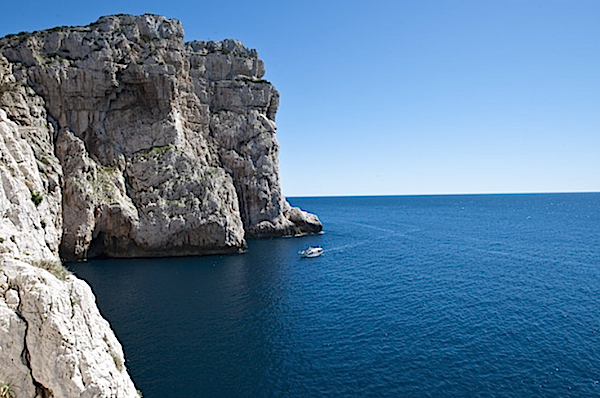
(406, 97)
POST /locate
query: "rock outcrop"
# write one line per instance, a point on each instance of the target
(53, 340)
(166, 148)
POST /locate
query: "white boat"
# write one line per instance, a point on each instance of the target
(311, 252)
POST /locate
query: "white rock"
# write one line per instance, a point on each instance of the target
(55, 340)
(119, 139)
(189, 127)
(28, 170)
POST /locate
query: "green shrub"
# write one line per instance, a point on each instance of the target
(5, 390)
(54, 267)
(36, 198)
(252, 80)
(118, 361)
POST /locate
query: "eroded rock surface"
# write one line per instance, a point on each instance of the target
(166, 148)
(53, 340)
(119, 139)
(30, 174)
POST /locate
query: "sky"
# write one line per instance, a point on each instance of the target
(406, 97)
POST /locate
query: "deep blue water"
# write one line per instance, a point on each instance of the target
(432, 296)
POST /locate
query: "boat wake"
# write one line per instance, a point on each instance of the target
(389, 233)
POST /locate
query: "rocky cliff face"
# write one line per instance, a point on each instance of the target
(30, 174)
(166, 148)
(53, 340)
(119, 139)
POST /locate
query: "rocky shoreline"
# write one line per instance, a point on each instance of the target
(119, 139)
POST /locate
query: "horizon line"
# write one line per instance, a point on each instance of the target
(442, 194)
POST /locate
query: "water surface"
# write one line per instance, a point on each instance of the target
(432, 296)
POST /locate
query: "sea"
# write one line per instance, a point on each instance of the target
(414, 296)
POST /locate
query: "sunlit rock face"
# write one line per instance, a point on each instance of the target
(227, 77)
(53, 340)
(30, 174)
(155, 147)
(118, 139)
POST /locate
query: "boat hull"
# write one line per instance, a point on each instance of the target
(311, 252)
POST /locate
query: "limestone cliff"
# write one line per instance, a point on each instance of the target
(30, 174)
(53, 341)
(119, 139)
(166, 148)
